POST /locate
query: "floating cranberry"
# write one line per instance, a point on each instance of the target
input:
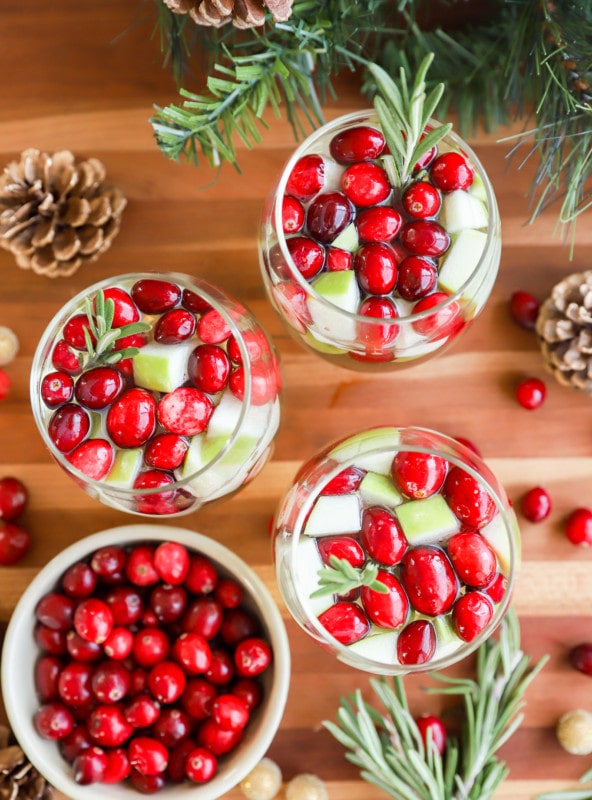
(165, 451)
(75, 329)
(336, 259)
(208, 368)
(418, 475)
(417, 277)
(416, 643)
(175, 326)
(497, 588)
(308, 256)
(378, 224)
(365, 184)
(425, 238)
(344, 482)
(382, 536)
(342, 547)
(125, 310)
(98, 387)
(94, 458)
(68, 427)
(64, 360)
(530, 393)
(445, 321)
(56, 388)
(292, 215)
(373, 335)
(376, 266)
(307, 178)
(358, 143)
(328, 215)
(535, 504)
(429, 580)
(185, 411)
(345, 621)
(524, 309)
(154, 296)
(472, 558)
(451, 171)
(578, 527)
(194, 302)
(131, 420)
(421, 200)
(213, 328)
(386, 609)
(468, 499)
(471, 614)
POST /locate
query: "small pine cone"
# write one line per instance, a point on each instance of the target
(564, 329)
(241, 13)
(55, 213)
(19, 780)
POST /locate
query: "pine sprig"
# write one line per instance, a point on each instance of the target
(101, 337)
(340, 577)
(388, 749)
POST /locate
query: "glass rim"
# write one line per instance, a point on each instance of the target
(303, 149)
(42, 352)
(314, 628)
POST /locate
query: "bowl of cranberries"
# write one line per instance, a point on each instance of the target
(368, 272)
(396, 550)
(156, 392)
(145, 658)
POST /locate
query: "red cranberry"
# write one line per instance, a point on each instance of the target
(108, 726)
(338, 259)
(94, 458)
(580, 657)
(50, 640)
(56, 611)
(97, 388)
(125, 310)
(15, 543)
(344, 482)
(168, 603)
(147, 784)
(221, 669)
(5, 384)
(208, 368)
(142, 711)
(64, 359)
(165, 451)
(118, 766)
(451, 171)
(469, 500)
(171, 727)
(536, 504)
(74, 684)
(578, 527)
(200, 765)
(194, 302)
(90, 766)
(249, 691)
(56, 388)
(471, 614)
(307, 177)
(238, 624)
(378, 224)
(252, 656)
(429, 579)
(185, 411)
(416, 644)
(118, 645)
(432, 728)
(171, 561)
(292, 215)
(229, 593)
(421, 200)
(154, 296)
(80, 649)
(93, 620)
(197, 698)
(131, 420)
(204, 616)
(382, 536)
(472, 558)
(531, 393)
(151, 646)
(308, 256)
(75, 329)
(365, 184)
(108, 561)
(358, 143)
(202, 576)
(376, 266)
(230, 712)
(375, 336)
(425, 238)
(47, 672)
(75, 742)
(110, 681)
(147, 755)
(193, 652)
(446, 320)
(175, 326)
(218, 740)
(79, 580)
(418, 475)
(68, 427)
(140, 570)
(175, 771)
(345, 621)
(126, 605)
(213, 328)
(524, 309)
(417, 277)
(53, 721)
(497, 588)
(328, 215)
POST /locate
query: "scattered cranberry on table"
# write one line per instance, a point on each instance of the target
(531, 393)
(5, 384)
(524, 309)
(150, 666)
(578, 527)
(437, 731)
(580, 657)
(535, 504)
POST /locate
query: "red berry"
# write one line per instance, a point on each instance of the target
(229, 593)
(531, 392)
(75, 742)
(386, 609)
(374, 336)
(432, 727)
(418, 475)
(238, 624)
(140, 568)
(208, 368)
(108, 726)
(345, 547)
(230, 712)
(171, 561)
(497, 588)
(416, 644)
(307, 178)
(292, 214)
(429, 580)
(166, 681)
(74, 331)
(172, 727)
(108, 561)
(213, 328)
(56, 611)
(147, 784)
(580, 657)
(147, 755)
(111, 681)
(185, 411)
(165, 451)
(345, 482)
(202, 576)
(53, 721)
(90, 766)
(345, 621)
(249, 691)
(417, 277)
(97, 388)
(524, 309)
(425, 238)
(451, 171)
(154, 296)
(47, 672)
(14, 543)
(203, 616)
(263, 384)
(125, 603)
(421, 200)
(50, 640)
(200, 765)
(64, 360)
(376, 266)
(365, 184)
(68, 427)
(175, 326)
(536, 504)
(80, 649)
(382, 536)
(13, 498)
(197, 698)
(218, 740)
(151, 646)
(131, 420)
(56, 388)
(5, 384)
(378, 224)
(94, 458)
(118, 645)
(308, 256)
(337, 260)
(118, 766)
(125, 310)
(252, 656)
(469, 444)
(168, 603)
(79, 580)
(472, 558)
(74, 684)
(221, 670)
(358, 143)
(578, 527)
(93, 620)
(142, 711)
(328, 215)
(471, 614)
(468, 499)
(446, 319)
(193, 652)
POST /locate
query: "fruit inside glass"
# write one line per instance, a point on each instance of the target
(165, 400)
(369, 274)
(396, 550)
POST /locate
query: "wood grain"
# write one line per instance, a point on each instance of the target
(85, 76)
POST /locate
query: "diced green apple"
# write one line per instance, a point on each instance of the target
(359, 449)
(339, 292)
(162, 367)
(317, 342)
(462, 258)
(446, 639)
(126, 466)
(306, 564)
(496, 534)
(477, 188)
(379, 490)
(380, 647)
(427, 521)
(332, 514)
(463, 210)
(347, 239)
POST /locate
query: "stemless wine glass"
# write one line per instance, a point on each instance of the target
(186, 416)
(381, 282)
(396, 550)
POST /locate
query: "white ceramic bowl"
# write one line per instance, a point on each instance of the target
(20, 654)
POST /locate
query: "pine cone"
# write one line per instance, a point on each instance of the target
(564, 328)
(242, 13)
(19, 780)
(55, 214)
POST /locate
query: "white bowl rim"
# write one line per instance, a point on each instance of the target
(44, 754)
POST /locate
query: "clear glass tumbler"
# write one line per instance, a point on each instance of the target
(371, 275)
(396, 550)
(156, 392)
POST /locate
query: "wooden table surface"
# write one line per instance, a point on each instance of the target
(84, 76)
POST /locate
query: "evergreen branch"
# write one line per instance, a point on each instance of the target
(340, 577)
(388, 747)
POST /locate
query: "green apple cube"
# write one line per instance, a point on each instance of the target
(463, 210)
(355, 449)
(496, 534)
(162, 367)
(306, 564)
(126, 465)
(477, 188)
(427, 521)
(332, 514)
(379, 490)
(225, 416)
(339, 291)
(447, 640)
(203, 448)
(347, 239)
(98, 425)
(462, 258)
(317, 342)
(380, 647)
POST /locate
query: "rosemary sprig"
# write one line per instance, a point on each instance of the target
(571, 794)
(340, 577)
(388, 749)
(403, 114)
(100, 337)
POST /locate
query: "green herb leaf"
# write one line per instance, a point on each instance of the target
(340, 577)
(100, 337)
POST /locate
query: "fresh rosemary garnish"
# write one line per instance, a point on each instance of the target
(100, 337)
(571, 794)
(403, 115)
(387, 745)
(340, 577)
